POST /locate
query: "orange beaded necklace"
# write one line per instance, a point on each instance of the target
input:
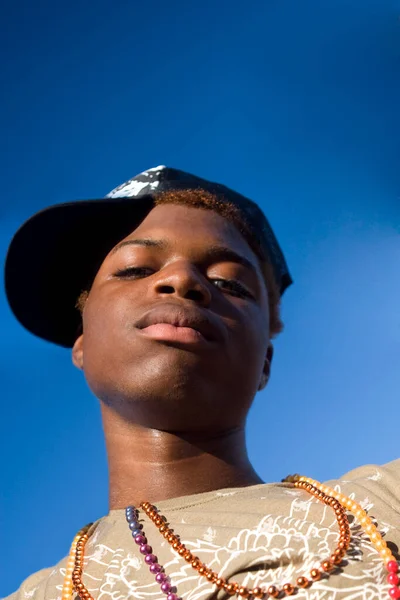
(337, 501)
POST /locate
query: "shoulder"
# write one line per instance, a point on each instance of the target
(379, 484)
(385, 476)
(46, 583)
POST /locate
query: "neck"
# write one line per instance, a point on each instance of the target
(152, 465)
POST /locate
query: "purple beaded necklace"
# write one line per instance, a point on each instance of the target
(132, 515)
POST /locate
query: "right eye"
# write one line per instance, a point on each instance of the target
(134, 272)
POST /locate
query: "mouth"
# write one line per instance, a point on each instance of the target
(171, 333)
(178, 324)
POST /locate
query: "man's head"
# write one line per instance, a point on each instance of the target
(207, 262)
(191, 262)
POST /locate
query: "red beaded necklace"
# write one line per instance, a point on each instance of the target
(337, 501)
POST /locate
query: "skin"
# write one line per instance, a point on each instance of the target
(174, 413)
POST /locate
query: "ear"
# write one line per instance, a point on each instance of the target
(77, 353)
(267, 367)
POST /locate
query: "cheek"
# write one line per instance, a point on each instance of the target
(254, 330)
(107, 315)
(248, 347)
(104, 327)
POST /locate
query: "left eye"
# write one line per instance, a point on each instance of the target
(234, 288)
(134, 272)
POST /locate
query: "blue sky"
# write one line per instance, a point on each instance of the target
(294, 104)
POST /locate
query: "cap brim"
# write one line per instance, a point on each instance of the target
(56, 254)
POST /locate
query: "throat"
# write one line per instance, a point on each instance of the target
(152, 465)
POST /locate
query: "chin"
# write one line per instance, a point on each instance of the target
(183, 403)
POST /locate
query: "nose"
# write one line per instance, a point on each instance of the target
(184, 281)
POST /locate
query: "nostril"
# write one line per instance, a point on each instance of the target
(166, 289)
(195, 295)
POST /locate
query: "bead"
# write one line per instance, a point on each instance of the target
(160, 577)
(172, 596)
(140, 539)
(136, 532)
(145, 549)
(369, 527)
(302, 582)
(257, 592)
(392, 566)
(149, 559)
(273, 591)
(315, 574)
(172, 538)
(134, 525)
(162, 528)
(327, 566)
(346, 539)
(202, 570)
(155, 568)
(230, 589)
(182, 551)
(360, 513)
(380, 544)
(393, 579)
(386, 553)
(394, 593)
(336, 559)
(244, 592)
(166, 587)
(288, 588)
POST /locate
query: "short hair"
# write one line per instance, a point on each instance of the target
(199, 198)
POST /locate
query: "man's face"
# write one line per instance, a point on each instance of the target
(176, 325)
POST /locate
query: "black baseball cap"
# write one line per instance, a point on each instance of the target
(57, 252)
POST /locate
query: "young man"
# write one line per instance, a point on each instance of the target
(168, 293)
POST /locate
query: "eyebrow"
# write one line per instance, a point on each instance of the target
(223, 254)
(216, 253)
(147, 242)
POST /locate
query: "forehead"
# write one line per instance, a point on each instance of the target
(187, 226)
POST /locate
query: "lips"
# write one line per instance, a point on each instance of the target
(179, 323)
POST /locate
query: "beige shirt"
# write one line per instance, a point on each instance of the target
(259, 535)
